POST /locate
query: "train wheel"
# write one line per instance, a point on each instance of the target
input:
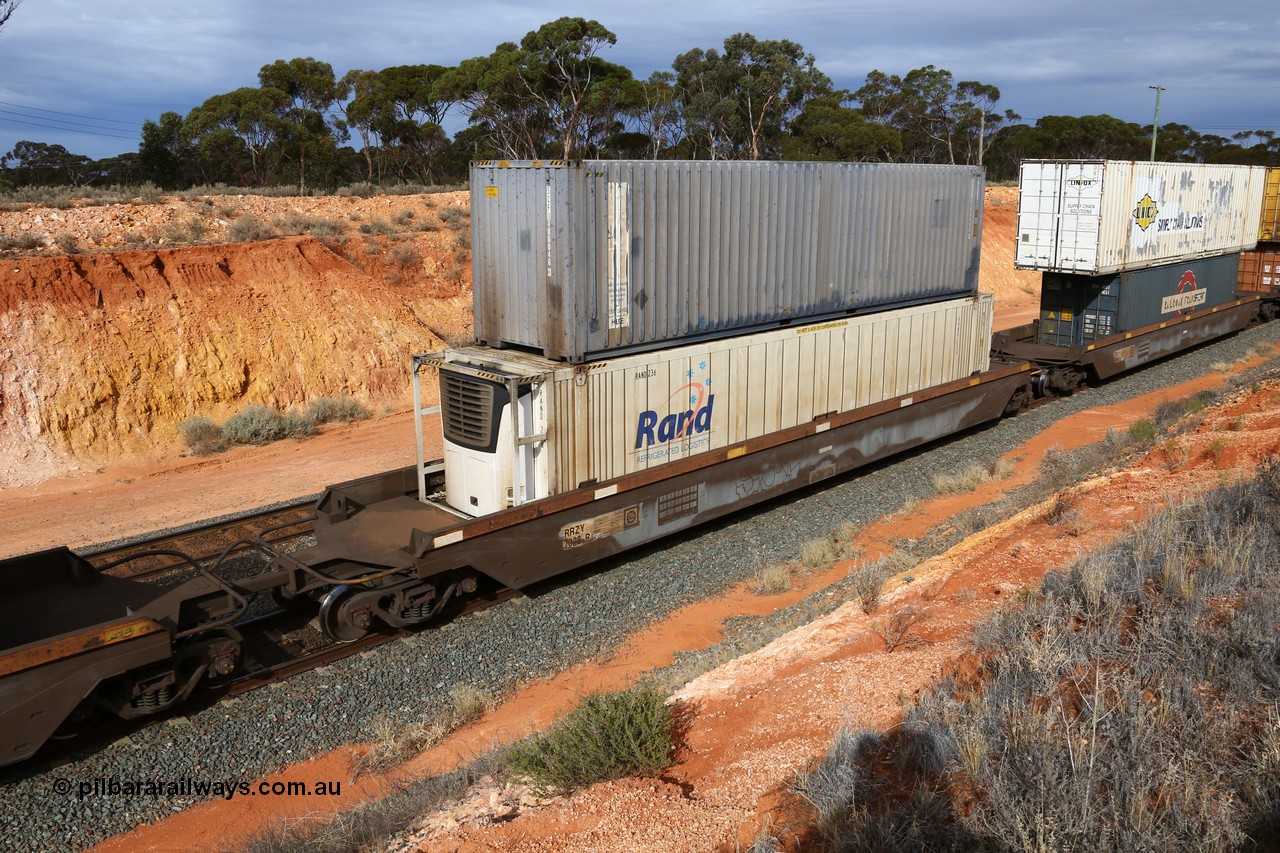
(222, 650)
(343, 618)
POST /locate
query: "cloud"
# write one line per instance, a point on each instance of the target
(131, 62)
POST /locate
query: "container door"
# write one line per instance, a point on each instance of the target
(1100, 309)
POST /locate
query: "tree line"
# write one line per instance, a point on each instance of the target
(553, 96)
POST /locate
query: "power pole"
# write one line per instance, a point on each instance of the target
(1155, 125)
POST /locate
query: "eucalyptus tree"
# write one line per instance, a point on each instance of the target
(492, 91)
(561, 72)
(306, 116)
(551, 94)
(827, 129)
(705, 94)
(656, 113)
(166, 156)
(43, 164)
(415, 100)
(6, 10)
(363, 112)
(740, 103)
(605, 119)
(939, 121)
(240, 126)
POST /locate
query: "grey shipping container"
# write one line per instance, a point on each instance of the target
(586, 260)
(1078, 309)
(1103, 216)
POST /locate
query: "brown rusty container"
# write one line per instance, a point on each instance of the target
(1260, 269)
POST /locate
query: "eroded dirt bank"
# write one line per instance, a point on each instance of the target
(105, 353)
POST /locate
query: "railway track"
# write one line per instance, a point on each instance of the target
(205, 542)
(276, 651)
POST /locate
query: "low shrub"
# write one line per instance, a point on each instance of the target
(454, 216)
(317, 226)
(21, 242)
(1142, 430)
(868, 583)
(297, 425)
(255, 424)
(378, 226)
(405, 256)
(248, 229)
(343, 409)
(360, 189)
(608, 736)
(68, 242)
(773, 579)
(202, 435)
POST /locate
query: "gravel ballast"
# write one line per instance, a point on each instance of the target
(242, 739)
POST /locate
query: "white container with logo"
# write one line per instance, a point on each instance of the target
(1098, 217)
(579, 424)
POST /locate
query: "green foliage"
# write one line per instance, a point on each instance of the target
(404, 255)
(20, 242)
(248, 229)
(325, 410)
(296, 425)
(317, 226)
(827, 130)
(608, 736)
(202, 435)
(1142, 430)
(938, 121)
(377, 226)
(739, 103)
(255, 424)
(311, 91)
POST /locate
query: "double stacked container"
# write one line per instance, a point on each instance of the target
(582, 261)
(518, 427)
(1081, 309)
(1126, 244)
(1098, 217)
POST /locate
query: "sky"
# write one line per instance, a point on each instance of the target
(85, 75)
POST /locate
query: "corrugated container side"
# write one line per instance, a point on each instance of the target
(1098, 217)
(1269, 229)
(626, 413)
(1259, 271)
(641, 411)
(1076, 309)
(582, 261)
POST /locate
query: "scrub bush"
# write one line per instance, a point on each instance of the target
(608, 736)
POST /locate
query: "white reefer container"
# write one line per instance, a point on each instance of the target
(576, 424)
(1104, 216)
